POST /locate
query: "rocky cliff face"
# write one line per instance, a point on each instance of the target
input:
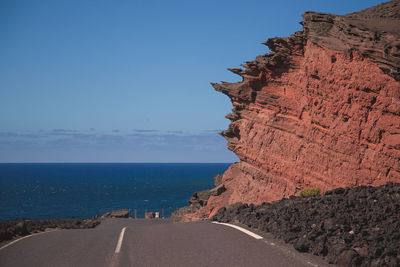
(321, 110)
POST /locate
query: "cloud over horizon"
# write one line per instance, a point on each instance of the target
(68, 145)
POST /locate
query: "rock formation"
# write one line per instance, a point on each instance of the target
(199, 200)
(321, 110)
(353, 226)
(116, 214)
(10, 229)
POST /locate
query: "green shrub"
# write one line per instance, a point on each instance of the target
(310, 192)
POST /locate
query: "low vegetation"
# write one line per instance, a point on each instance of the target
(310, 192)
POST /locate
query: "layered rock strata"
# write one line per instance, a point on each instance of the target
(321, 110)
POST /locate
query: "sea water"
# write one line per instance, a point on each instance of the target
(59, 190)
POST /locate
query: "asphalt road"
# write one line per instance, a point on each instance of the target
(148, 243)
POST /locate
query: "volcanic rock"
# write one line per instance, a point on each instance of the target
(116, 214)
(321, 110)
(197, 201)
(218, 179)
(358, 227)
(10, 229)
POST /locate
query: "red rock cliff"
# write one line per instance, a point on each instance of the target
(321, 110)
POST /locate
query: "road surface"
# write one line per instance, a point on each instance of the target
(129, 242)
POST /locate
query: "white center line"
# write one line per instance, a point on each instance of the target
(241, 229)
(121, 237)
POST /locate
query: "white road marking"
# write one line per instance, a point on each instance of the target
(241, 229)
(120, 239)
(19, 239)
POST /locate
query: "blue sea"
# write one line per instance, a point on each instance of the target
(59, 190)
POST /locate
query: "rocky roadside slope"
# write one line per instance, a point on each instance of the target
(321, 110)
(348, 226)
(11, 229)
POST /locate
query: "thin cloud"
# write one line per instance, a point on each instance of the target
(175, 132)
(212, 131)
(20, 135)
(139, 142)
(8, 134)
(64, 131)
(145, 131)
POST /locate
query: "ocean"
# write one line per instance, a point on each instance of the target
(83, 190)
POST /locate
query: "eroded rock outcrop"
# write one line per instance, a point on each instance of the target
(199, 200)
(322, 109)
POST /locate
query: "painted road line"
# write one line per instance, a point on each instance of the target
(241, 229)
(19, 239)
(120, 239)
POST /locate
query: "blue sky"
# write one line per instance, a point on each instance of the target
(128, 81)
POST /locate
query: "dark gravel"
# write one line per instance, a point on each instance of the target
(10, 229)
(348, 226)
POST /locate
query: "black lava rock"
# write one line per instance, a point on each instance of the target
(10, 229)
(302, 246)
(348, 226)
